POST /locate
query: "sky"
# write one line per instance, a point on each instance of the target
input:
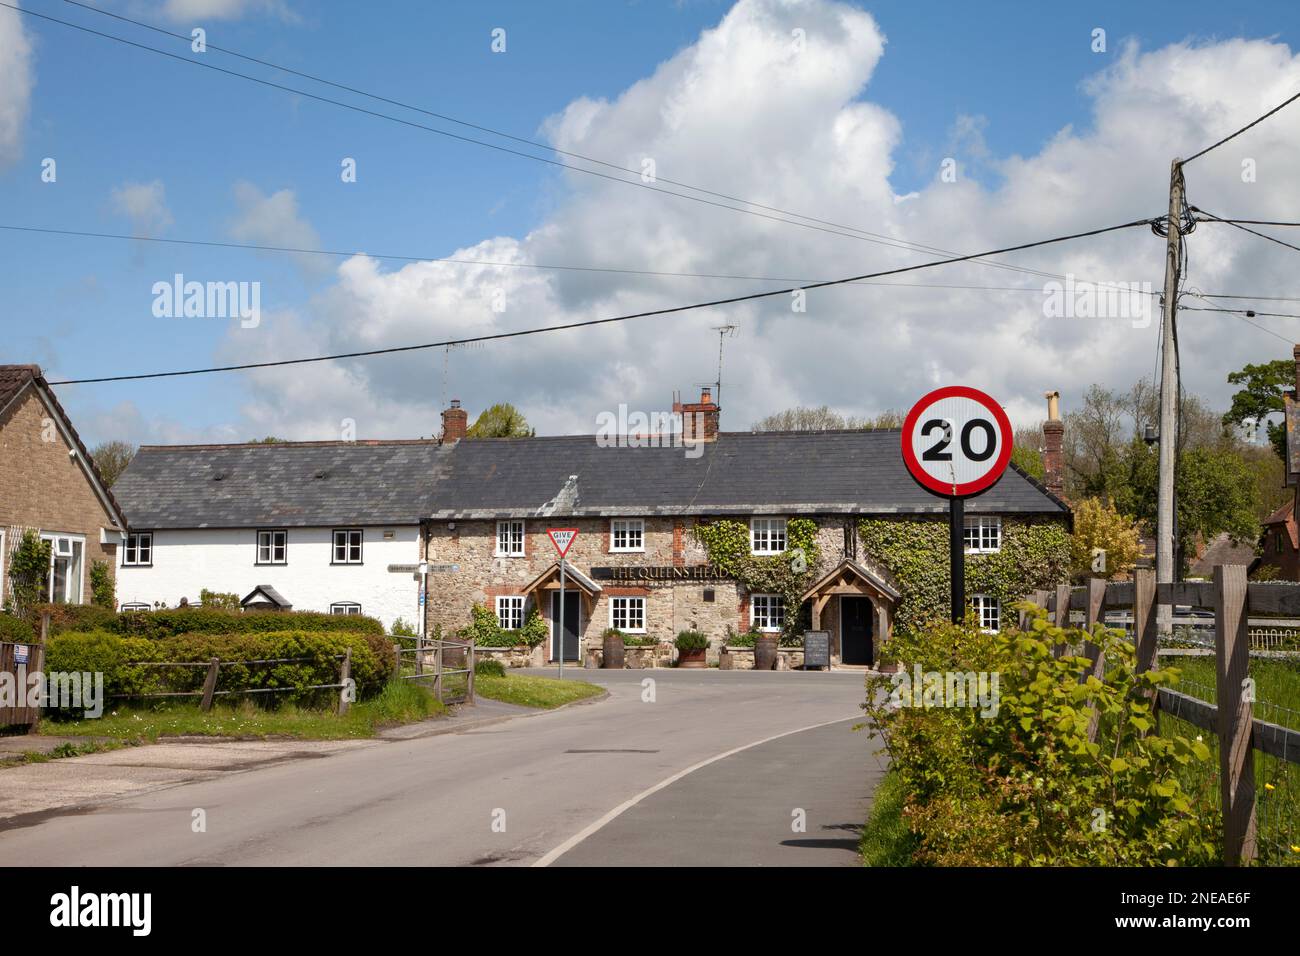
(953, 126)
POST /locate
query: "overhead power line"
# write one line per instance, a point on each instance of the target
(495, 263)
(1210, 217)
(859, 234)
(1254, 122)
(618, 318)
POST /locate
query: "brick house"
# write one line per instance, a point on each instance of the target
(1279, 545)
(49, 484)
(636, 564)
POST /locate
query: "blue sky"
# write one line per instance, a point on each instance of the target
(111, 116)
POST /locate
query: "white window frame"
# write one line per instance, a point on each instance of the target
(510, 611)
(985, 605)
(982, 534)
(770, 530)
(628, 528)
(628, 608)
(510, 532)
(348, 534)
(143, 541)
(345, 607)
(272, 532)
(57, 539)
(773, 607)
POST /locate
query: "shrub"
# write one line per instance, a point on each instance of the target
(630, 640)
(79, 617)
(15, 630)
(534, 632)
(489, 667)
(102, 593)
(402, 629)
(219, 600)
(691, 641)
(1021, 783)
(165, 623)
(29, 567)
(485, 630)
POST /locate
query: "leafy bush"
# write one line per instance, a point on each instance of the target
(29, 567)
(490, 666)
(165, 623)
(534, 632)
(219, 600)
(79, 617)
(1021, 783)
(402, 629)
(748, 639)
(630, 640)
(485, 630)
(120, 659)
(15, 630)
(102, 593)
(691, 641)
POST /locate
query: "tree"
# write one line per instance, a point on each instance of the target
(1262, 397)
(111, 458)
(269, 440)
(1027, 451)
(500, 421)
(801, 419)
(1099, 525)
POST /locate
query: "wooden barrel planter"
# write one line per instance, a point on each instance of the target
(693, 658)
(765, 652)
(614, 654)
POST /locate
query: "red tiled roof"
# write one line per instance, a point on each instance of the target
(13, 378)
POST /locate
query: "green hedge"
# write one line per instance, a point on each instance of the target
(15, 630)
(159, 624)
(120, 658)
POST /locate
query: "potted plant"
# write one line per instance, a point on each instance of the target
(692, 646)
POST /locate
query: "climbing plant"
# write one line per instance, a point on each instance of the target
(788, 574)
(1034, 554)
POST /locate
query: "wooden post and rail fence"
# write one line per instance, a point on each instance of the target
(1231, 718)
(435, 654)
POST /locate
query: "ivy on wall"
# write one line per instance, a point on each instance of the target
(1034, 554)
(789, 574)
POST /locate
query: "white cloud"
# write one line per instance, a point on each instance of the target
(741, 112)
(188, 11)
(16, 82)
(274, 220)
(145, 204)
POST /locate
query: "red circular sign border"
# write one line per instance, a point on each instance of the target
(945, 489)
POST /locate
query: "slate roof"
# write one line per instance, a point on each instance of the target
(742, 473)
(1222, 550)
(291, 484)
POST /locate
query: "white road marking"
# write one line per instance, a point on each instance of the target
(622, 808)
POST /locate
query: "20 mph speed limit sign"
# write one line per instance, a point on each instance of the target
(956, 441)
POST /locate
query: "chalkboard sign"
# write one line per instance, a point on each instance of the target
(817, 649)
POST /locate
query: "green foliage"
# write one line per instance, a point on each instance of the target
(14, 630)
(1033, 555)
(485, 630)
(165, 623)
(102, 593)
(29, 569)
(490, 667)
(1097, 524)
(691, 641)
(630, 640)
(121, 660)
(111, 458)
(1261, 398)
(1025, 785)
(402, 629)
(1029, 460)
(219, 600)
(500, 421)
(79, 617)
(789, 574)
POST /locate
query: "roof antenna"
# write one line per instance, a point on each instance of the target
(724, 331)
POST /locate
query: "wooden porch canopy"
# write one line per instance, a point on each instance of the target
(857, 579)
(549, 580)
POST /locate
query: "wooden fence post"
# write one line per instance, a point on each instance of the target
(1092, 651)
(210, 685)
(1039, 598)
(469, 678)
(397, 661)
(40, 664)
(437, 670)
(1144, 628)
(1061, 617)
(345, 673)
(1236, 758)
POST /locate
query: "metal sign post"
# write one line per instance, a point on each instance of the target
(956, 444)
(562, 538)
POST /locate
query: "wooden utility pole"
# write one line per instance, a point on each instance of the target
(1168, 446)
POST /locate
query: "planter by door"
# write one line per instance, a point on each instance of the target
(765, 652)
(614, 652)
(695, 658)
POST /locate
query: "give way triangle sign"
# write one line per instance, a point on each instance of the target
(562, 538)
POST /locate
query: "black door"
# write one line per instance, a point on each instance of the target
(571, 624)
(855, 630)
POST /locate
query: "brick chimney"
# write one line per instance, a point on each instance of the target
(699, 419)
(1053, 435)
(455, 422)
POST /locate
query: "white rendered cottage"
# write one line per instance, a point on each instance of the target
(317, 524)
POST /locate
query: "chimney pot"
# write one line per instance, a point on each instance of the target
(699, 420)
(1053, 440)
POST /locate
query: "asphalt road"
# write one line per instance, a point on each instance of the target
(719, 768)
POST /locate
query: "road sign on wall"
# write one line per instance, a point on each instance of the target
(956, 441)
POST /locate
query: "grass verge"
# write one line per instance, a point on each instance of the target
(400, 702)
(886, 839)
(544, 692)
